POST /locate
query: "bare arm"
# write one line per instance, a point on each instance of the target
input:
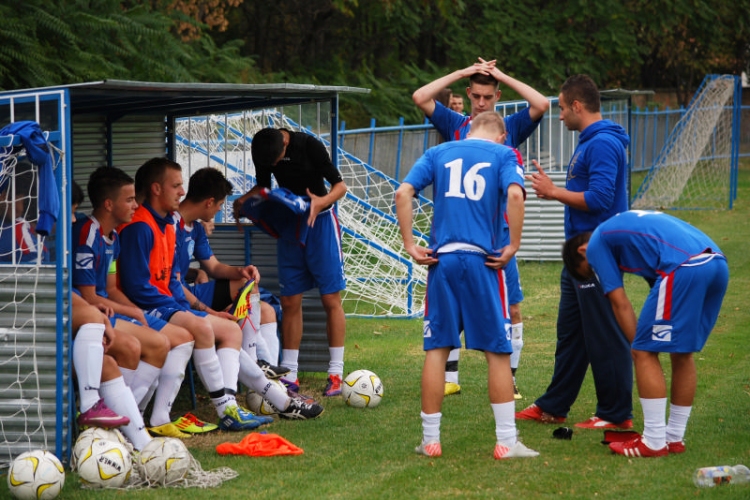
(219, 270)
(624, 312)
(547, 190)
(424, 97)
(515, 211)
(318, 203)
(404, 195)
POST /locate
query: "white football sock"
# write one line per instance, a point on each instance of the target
(88, 354)
(118, 397)
(170, 380)
(654, 422)
(143, 377)
(249, 338)
(677, 423)
(505, 422)
(430, 427)
(336, 364)
(229, 359)
(289, 359)
(209, 370)
(269, 334)
(150, 394)
(127, 375)
(516, 340)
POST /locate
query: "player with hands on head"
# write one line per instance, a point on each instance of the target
(690, 277)
(473, 180)
(484, 92)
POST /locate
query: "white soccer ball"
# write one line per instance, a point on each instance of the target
(104, 464)
(36, 474)
(90, 435)
(164, 461)
(259, 405)
(362, 389)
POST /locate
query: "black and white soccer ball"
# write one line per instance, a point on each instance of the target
(362, 389)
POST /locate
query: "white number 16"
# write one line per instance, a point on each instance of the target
(473, 182)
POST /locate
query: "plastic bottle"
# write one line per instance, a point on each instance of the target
(723, 474)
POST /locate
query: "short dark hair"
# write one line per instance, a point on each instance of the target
(150, 172)
(482, 79)
(105, 183)
(267, 146)
(208, 183)
(581, 88)
(571, 258)
(76, 194)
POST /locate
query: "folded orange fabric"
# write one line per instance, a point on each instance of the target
(260, 444)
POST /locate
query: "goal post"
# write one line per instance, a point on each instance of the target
(697, 167)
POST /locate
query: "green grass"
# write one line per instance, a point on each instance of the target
(368, 454)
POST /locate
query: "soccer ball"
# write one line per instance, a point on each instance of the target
(362, 389)
(164, 461)
(36, 474)
(104, 464)
(258, 405)
(90, 435)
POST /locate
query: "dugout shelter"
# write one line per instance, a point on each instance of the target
(122, 124)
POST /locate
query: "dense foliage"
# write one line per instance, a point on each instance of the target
(390, 46)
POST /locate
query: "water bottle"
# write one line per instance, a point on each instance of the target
(723, 474)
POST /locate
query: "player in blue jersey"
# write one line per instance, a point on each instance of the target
(148, 276)
(207, 190)
(587, 332)
(472, 182)
(690, 276)
(300, 163)
(483, 92)
(165, 354)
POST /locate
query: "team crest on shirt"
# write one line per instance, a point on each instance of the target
(661, 333)
(572, 166)
(84, 260)
(426, 331)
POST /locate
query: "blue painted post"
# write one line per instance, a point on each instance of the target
(397, 173)
(372, 141)
(342, 128)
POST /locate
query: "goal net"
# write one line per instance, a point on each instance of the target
(695, 169)
(382, 280)
(27, 353)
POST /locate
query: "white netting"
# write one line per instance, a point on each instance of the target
(23, 338)
(693, 170)
(381, 278)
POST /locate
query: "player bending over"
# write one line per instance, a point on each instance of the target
(690, 276)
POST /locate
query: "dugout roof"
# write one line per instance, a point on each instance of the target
(127, 97)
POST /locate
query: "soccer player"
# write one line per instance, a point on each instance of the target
(300, 163)
(587, 332)
(147, 276)
(483, 92)
(165, 348)
(207, 190)
(690, 276)
(472, 181)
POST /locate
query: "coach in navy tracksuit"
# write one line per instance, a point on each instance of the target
(587, 332)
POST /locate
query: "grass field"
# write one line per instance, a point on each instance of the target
(368, 454)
